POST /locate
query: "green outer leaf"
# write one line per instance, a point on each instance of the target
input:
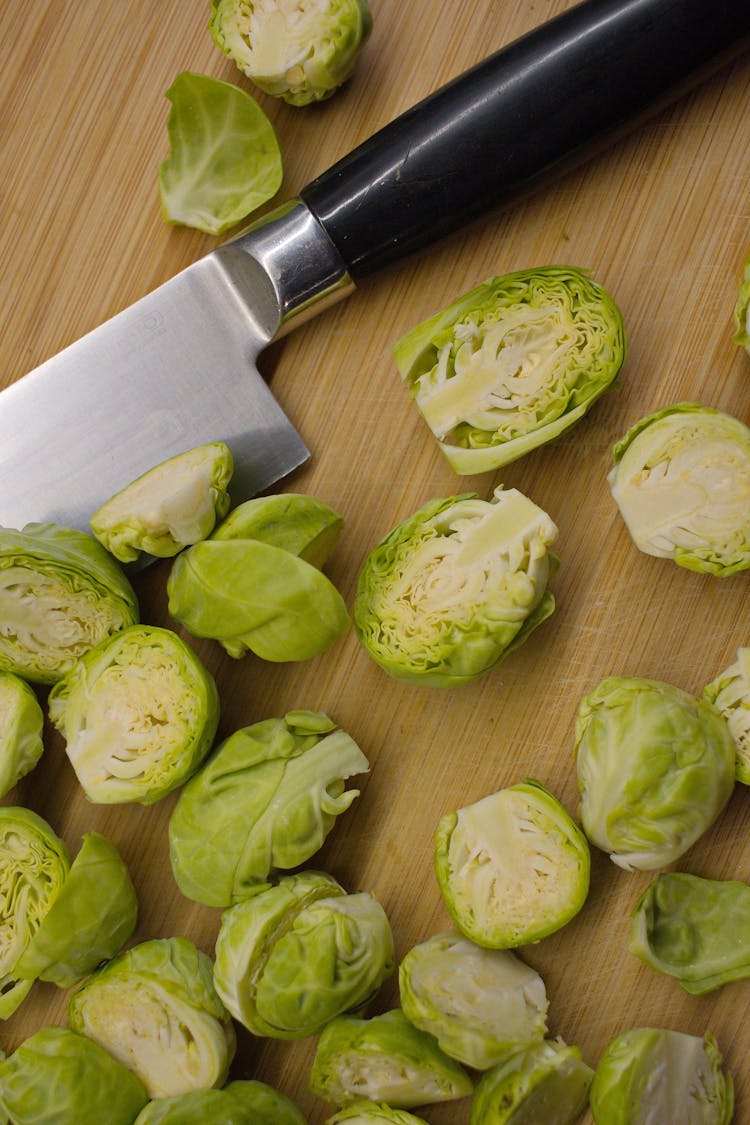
(546, 1082)
(225, 159)
(238, 1103)
(300, 524)
(364, 1112)
(21, 730)
(742, 311)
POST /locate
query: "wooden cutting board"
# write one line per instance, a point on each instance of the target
(662, 219)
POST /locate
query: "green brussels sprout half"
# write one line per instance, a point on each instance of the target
(299, 524)
(301, 53)
(648, 1074)
(295, 954)
(21, 730)
(512, 867)
(61, 593)
(363, 1112)
(512, 364)
(238, 1103)
(655, 769)
(61, 1078)
(742, 311)
(155, 1009)
(138, 713)
(266, 799)
(169, 507)
(384, 1059)
(478, 1003)
(730, 695)
(456, 587)
(681, 480)
(545, 1082)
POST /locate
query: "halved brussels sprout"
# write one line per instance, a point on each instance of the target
(295, 954)
(172, 505)
(730, 695)
(456, 587)
(655, 769)
(742, 311)
(266, 799)
(21, 730)
(478, 1003)
(545, 1082)
(364, 1112)
(384, 1059)
(299, 52)
(512, 867)
(138, 713)
(297, 523)
(512, 364)
(681, 480)
(155, 1009)
(238, 1103)
(61, 594)
(647, 1075)
(61, 1078)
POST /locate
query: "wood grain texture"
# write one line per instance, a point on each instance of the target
(662, 219)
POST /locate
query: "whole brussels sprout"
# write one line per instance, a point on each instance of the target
(512, 867)
(237, 1103)
(545, 1082)
(295, 954)
(300, 524)
(172, 505)
(138, 713)
(266, 799)
(456, 587)
(363, 1112)
(384, 1059)
(512, 364)
(21, 730)
(61, 1078)
(648, 1074)
(742, 311)
(730, 695)
(301, 53)
(655, 769)
(61, 594)
(681, 480)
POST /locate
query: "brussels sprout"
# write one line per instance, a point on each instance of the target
(384, 1059)
(253, 596)
(513, 867)
(478, 1003)
(456, 587)
(225, 160)
(300, 524)
(61, 594)
(172, 505)
(293, 955)
(681, 480)
(301, 53)
(34, 864)
(512, 364)
(138, 713)
(730, 695)
(655, 769)
(647, 1075)
(61, 1078)
(742, 311)
(238, 1103)
(267, 798)
(21, 729)
(364, 1113)
(155, 1009)
(544, 1082)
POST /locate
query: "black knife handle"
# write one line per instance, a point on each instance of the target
(527, 109)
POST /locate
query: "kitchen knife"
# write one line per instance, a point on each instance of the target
(178, 367)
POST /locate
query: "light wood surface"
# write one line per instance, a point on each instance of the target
(662, 219)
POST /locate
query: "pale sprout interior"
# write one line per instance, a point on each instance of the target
(27, 884)
(387, 1078)
(679, 1084)
(278, 34)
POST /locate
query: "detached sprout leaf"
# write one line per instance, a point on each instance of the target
(224, 161)
(364, 1112)
(730, 695)
(303, 525)
(21, 730)
(243, 1102)
(545, 1082)
(742, 311)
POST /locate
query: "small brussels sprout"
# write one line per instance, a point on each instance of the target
(61, 1078)
(238, 1103)
(456, 587)
(299, 524)
(648, 1074)
(655, 769)
(545, 1082)
(730, 695)
(138, 713)
(172, 505)
(512, 364)
(21, 730)
(266, 799)
(742, 311)
(681, 480)
(363, 1112)
(155, 1009)
(61, 594)
(301, 53)
(478, 1003)
(295, 954)
(512, 867)
(384, 1059)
